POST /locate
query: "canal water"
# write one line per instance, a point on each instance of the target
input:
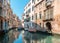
(15, 36)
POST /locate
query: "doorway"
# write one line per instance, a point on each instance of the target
(48, 25)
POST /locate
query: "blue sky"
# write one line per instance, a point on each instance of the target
(18, 6)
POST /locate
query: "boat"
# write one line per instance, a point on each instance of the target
(32, 30)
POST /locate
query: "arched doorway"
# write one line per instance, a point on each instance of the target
(48, 25)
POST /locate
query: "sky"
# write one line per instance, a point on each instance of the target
(17, 7)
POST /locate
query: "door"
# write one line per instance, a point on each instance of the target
(48, 25)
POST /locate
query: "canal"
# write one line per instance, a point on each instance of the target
(15, 36)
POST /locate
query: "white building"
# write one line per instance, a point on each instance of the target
(29, 12)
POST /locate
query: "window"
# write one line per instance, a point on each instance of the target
(29, 4)
(32, 17)
(32, 8)
(49, 13)
(40, 15)
(36, 16)
(29, 10)
(33, 1)
(46, 14)
(26, 12)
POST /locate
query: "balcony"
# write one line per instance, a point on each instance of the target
(48, 2)
(27, 19)
(2, 13)
(27, 15)
(47, 19)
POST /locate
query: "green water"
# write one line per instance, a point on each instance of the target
(41, 38)
(28, 37)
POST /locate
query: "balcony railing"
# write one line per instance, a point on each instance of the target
(47, 18)
(48, 2)
(2, 13)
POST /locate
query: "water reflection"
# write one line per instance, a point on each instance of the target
(15, 36)
(9, 37)
(39, 38)
(19, 39)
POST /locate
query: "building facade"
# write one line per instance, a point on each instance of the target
(16, 21)
(3, 13)
(19, 22)
(47, 14)
(29, 12)
(7, 18)
(43, 15)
